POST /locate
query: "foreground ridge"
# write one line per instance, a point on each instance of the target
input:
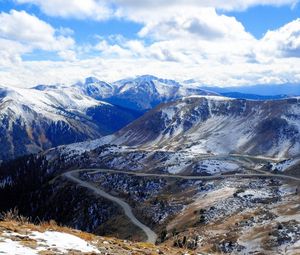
(17, 237)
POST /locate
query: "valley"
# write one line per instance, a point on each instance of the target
(202, 173)
(204, 212)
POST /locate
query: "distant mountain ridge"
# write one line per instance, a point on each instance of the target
(140, 93)
(267, 90)
(239, 95)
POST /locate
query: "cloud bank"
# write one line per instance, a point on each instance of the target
(179, 39)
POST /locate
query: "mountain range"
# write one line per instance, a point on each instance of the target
(38, 118)
(141, 93)
(45, 116)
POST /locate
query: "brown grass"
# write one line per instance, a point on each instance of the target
(11, 221)
(29, 243)
(13, 215)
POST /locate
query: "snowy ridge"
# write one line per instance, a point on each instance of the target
(171, 136)
(48, 101)
(209, 97)
(140, 93)
(77, 149)
(214, 125)
(35, 119)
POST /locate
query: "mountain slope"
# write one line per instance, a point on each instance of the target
(219, 126)
(32, 120)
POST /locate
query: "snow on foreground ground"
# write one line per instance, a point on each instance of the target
(11, 243)
(34, 242)
(20, 238)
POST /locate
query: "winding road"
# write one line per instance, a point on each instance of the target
(188, 177)
(151, 235)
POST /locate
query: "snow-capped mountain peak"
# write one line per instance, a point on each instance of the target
(91, 80)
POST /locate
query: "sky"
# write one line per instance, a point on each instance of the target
(214, 42)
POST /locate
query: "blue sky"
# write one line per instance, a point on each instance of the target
(259, 19)
(215, 42)
(84, 29)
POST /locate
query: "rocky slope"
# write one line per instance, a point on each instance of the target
(218, 125)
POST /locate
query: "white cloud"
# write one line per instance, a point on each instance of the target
(80, 9)
(25, 28)
(179, 40)
(210, 73)
(65, 31)
(188, 36)
(105, 9)
(204, 23)
(281, 43)
(22, 33)
(10, 52)
(219, 4)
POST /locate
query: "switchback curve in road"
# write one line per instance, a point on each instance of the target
(151, 235)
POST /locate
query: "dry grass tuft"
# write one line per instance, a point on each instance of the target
(12, 219)
(13, 215)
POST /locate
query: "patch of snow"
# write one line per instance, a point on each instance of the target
(76, 149)
(286, 189)
(293, 249)
(284, 165)
(256, 194)
(10, 247)
(177, 162)
(62, 241)
(58, 241)
(217, 166)
(217, 98)
(169, 112)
